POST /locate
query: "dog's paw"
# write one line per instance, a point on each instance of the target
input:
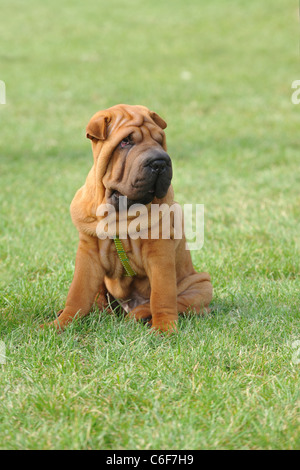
(140, 313)
(165, 322)
(165, 327)
(56, 324)
(53, 324)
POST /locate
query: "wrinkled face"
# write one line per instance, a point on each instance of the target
(139, 169)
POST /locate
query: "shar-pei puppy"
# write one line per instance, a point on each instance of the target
(151, 276)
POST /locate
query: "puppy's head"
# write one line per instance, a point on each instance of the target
(129, 149)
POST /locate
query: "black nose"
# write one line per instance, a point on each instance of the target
(158, 165)
(158, 161)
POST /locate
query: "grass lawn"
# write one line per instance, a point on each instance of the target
(220, 74)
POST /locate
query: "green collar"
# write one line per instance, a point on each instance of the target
(123, 258)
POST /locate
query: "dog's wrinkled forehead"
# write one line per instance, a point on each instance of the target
(120, 120)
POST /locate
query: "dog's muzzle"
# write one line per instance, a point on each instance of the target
(152, 178)
(158, 173)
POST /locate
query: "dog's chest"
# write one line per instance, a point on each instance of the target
(128, 291)
(110, 259)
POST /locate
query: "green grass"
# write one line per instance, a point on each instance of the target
(229, 380)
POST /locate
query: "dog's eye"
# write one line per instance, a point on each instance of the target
(125, 142)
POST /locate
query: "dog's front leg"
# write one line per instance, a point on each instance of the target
(161, 270)
(87, 280)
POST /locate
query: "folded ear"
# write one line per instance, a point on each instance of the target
(97, 128)
(158, 120)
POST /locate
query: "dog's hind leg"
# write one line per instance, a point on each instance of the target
(141, 312)
(194, 293)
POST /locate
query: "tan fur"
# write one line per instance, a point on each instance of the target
(166, 282)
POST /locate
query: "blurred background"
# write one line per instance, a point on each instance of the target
(219, 73)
